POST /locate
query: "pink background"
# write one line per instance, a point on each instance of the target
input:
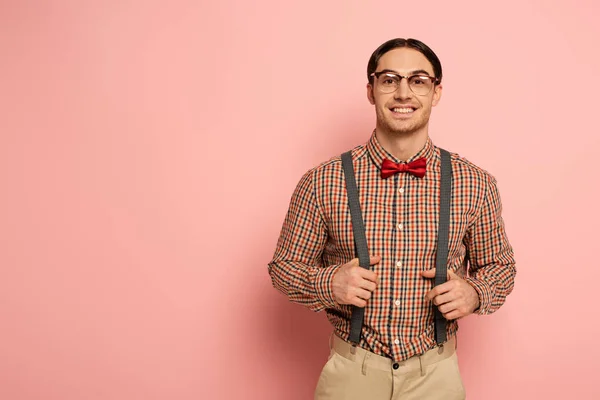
(149, 151)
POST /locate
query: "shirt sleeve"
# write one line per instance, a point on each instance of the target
(492, 265)
(296, 269)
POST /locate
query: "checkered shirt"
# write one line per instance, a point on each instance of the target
(401, 218)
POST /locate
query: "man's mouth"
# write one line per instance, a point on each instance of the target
(403, 110)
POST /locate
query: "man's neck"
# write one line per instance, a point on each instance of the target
(403, 146)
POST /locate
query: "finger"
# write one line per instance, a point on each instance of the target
(363, 294)
(355, 262)
(449, 307)
(430, 295)
(374, 260)
(368, 285)
(443, 299)
(358, 302)
(430, 273)
(453, 315)
(452, 275)
(438, 290)
(368, 275)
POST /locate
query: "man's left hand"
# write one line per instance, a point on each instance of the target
(455, 298)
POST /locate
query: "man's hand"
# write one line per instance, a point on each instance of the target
(455, 298)
(353, 284)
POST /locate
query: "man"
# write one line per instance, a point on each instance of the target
(314, 264)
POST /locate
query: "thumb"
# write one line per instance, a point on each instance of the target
(374, 260)
(355, 262)
(452, 275)
(430, 273)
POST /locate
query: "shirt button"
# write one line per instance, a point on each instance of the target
(399, 264)
(397, 302)
(401, 190)
(395, 365)
(396, 341)
(400, 226)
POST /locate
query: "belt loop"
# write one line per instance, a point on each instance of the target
(421, 365)
(353, 349)
(331, 340)
(364, 364)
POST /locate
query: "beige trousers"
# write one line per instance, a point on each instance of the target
(362, 375)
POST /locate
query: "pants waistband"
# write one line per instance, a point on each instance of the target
(377, 361)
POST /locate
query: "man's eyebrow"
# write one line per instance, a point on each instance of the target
(415, 72)
(383, 71)
(420, 72)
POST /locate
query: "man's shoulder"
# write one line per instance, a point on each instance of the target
(333, 166)
(462, 167)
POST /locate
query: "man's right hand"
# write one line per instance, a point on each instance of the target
(353, 284)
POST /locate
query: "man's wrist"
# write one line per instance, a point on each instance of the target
(323, 285)
(484, 292)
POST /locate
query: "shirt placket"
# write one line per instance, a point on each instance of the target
(399, 235)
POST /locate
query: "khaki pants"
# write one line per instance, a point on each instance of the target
(368, 376)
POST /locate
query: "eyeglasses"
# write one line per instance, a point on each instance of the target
(388, 82)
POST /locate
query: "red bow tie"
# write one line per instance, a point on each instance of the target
(416, 168)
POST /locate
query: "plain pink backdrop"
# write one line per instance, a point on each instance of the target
(149, 149)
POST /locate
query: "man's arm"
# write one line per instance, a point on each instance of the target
(492, 265)
(296, 268)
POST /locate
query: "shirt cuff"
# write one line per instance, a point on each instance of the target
(323, 288)
(485, 295)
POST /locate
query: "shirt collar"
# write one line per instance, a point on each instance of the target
(378, 153)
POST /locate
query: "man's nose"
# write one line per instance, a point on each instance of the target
(403, 91)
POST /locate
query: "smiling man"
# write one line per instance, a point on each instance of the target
(404, 345)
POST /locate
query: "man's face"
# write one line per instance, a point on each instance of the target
(391, 107)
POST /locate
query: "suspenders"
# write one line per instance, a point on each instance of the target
(360, 240)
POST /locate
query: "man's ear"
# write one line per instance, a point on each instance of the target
(437, 94)
(370, 94)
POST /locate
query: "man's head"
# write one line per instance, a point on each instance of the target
(403, 105)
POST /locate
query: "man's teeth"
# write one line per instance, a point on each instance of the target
(403, 110)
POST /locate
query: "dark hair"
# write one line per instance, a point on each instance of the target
(411, 43)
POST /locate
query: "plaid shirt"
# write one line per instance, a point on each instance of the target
(401, 218)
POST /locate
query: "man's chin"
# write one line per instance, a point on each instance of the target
(403, 129)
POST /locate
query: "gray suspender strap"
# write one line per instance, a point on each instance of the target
(441, 259)
(360, 240)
